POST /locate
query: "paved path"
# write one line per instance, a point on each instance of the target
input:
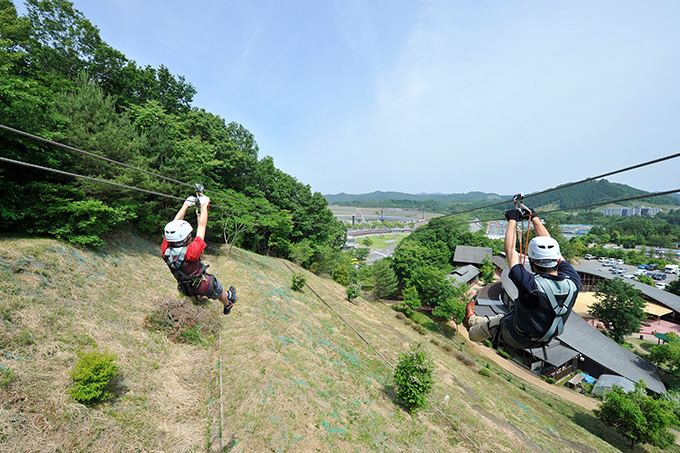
(518, 370)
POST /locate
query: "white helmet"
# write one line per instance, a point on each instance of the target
(177, 230)
(544, 251)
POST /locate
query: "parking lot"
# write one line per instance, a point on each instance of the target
(627, 271)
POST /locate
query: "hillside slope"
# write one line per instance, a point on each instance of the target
(286, 373)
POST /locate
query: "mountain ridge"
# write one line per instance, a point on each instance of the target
(564, 196)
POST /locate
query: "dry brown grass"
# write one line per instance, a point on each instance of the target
(295, 376)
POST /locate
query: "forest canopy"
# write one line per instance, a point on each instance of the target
(60, 81)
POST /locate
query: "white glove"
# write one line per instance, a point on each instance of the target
(204, 200)
(190, 201)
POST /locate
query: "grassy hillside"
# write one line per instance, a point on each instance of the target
(283, 372)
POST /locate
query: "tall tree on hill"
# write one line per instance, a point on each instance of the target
(385, 280)
(619, 307)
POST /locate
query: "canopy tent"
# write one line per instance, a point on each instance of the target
(585, 300)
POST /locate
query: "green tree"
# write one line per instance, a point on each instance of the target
(674, 287)
(432, 285)
(411, 300)
(619, 307)
(384, 278)
(666, 355)
(341, 275)
(413, 377)
(367, 241)
(301, 252)
(644, 279)
(361, 253)
(487, 271)
(639, 417)
(454, 306)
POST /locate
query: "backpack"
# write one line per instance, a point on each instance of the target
(561, 294)
(184, 272)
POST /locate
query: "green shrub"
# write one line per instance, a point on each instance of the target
(503, 354)
(353, 291)
(6, 377)
(487, 343)
(341, 275)
(485, 372)
(191, 335)
(91, 376)
(299, 282)
(420, 318)
(413, 377)
(550, 380)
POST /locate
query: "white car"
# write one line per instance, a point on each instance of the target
(619, 261)
(660, 285)
(629, 276)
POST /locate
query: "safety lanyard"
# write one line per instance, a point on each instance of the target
(519, 200)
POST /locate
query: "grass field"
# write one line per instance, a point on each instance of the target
(286, 371)
(383, 240)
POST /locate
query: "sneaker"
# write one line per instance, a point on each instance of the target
(233, 297)
(227, 308)
(469, 312)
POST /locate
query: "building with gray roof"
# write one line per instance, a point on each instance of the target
(464, 274)
(465, 254)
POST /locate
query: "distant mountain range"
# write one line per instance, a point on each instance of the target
(569, 197)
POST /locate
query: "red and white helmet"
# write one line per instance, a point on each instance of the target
(177, 230)
(544, 251)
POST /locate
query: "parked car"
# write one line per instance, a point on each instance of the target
(628, 276)
(589, 256)
(660, 285)
(602, 259)
(640, 272)
(619, 261)
(651, 267)
(642, 266)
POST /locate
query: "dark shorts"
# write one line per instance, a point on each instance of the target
(209, 287)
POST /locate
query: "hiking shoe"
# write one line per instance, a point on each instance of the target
(227, 308)
(469, 312)
(233, 297)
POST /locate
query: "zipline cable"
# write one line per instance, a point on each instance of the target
(638, 197)
(344, 320)
(36, 137)
(90, 178)
(571, 184)
(97, 156)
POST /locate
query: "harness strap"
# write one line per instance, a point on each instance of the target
(174, 257)
(548, 288)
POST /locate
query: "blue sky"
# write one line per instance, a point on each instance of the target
(426, 96)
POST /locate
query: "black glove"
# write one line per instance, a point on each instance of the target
(528, 213)
(513, 214)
